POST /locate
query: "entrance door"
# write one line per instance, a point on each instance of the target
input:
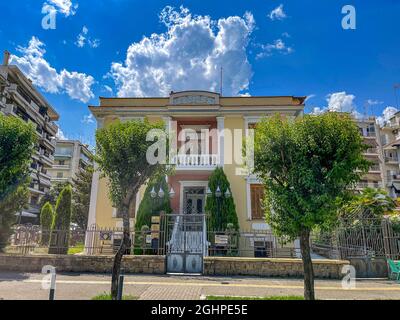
(186, 235)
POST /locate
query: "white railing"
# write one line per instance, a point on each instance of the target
(195, 160)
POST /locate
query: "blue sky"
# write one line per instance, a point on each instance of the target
(266, 47)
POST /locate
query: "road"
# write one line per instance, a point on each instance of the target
(20, 286)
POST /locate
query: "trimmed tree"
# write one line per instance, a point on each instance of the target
(15, 202)
(222, 210)
(46, 222)
(82, 185)
(59, 240)
(151, 207)
(308, 166)
(17, 140)
(122, 156)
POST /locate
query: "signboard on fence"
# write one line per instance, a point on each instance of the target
(221, 240)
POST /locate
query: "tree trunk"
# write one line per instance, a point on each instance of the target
(309, 293)
(116, 271)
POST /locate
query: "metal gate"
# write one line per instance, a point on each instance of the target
(185, 243)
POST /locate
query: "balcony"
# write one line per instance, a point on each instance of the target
(195, 161)
(375, 168)
(373, 151)
(392, 159)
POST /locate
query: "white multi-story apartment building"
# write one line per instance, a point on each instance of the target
(70, 158)
(390, 136)
(370, 132)
(19, 98)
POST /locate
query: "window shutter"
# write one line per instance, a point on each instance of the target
(257, 196)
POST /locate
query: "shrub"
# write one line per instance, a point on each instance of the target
(46, 221)
(61, 223)
(227, 204)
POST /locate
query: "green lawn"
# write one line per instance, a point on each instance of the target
(257, 298)
(79, 248)
(107, 296)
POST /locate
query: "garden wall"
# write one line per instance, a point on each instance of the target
(325, 269)
(78, 263)
(330, 269)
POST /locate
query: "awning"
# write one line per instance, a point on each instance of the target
(26, 214)
(396, 186)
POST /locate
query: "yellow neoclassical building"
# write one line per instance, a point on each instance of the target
(227, 119)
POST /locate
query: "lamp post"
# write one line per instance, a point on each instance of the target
(219, 195)
(156, 196)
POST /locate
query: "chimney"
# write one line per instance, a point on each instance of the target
(6, 58)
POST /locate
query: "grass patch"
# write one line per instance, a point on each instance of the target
(256, 298)
(79, 248)
(107, 296)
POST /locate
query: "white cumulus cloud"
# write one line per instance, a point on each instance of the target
(66, 7)
(278, 13)
(387, 113)
(83, 39)
(88, 119)
(279, 46)
(37, 68)
(339, 102)
(189, 55)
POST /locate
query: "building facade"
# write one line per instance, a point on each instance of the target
(70, 157)
(19, 98)
(221, 124)
(390, 139)
(371, 133)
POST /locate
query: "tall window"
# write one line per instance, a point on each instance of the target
(257, 197)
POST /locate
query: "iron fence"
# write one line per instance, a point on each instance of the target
(364, 238)
(31, 240)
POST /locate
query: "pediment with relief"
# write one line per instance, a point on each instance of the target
(194, 98)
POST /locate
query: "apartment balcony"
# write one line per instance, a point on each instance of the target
(195, 162)
(61, 167)
(394, 160)
(51, 127)
(375, 169)
(46, 158)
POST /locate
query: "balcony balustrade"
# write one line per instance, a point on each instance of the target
(195, 161)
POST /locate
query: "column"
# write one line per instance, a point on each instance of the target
(221, 141)
(90, 233)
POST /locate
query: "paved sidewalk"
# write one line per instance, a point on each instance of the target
(18, 286)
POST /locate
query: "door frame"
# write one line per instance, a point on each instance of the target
(188, 184)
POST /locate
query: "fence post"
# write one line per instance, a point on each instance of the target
(388, 239)
(120, 285)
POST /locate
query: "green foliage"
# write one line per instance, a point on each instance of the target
(81, 198)
(13, 203)
(61, 223)
(107, 296)
(370, 204)
(17, 140)
(308, 166)
(152, 207)
(226, 205)
(53, 194)
(46, 222)
(121, 155)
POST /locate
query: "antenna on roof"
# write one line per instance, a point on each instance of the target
(221, 81)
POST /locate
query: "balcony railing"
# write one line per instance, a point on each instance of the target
(195, 161)
(391, 159)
